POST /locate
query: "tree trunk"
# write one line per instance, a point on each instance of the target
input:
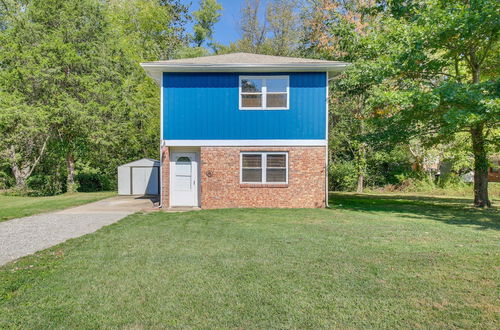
(19, 176)
(480, 167)
(70, 181)
(20, 173)
(361, 182)
(22, 167)
(361, 153)
(361, 168)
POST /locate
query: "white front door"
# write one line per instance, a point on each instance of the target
(184, 179)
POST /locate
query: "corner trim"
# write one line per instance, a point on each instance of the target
(160, 176)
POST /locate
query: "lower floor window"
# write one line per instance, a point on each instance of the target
(264, 167)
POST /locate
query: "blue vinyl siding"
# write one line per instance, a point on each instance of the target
(205, 106)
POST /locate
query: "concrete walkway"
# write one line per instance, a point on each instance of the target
(23, 236)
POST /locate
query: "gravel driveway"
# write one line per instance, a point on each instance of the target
(23, 236)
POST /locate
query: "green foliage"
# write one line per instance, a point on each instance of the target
(206, 16)
(90, 180)
(71, 88)
(5, 180)
(342, 176)
(425, 71)
(451, 181)
(44, 185)
(425, 74)
(386, 166)
(190, 52)
(437, 88)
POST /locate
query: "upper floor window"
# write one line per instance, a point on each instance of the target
(264, 92)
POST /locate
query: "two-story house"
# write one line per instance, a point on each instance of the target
(244, 130)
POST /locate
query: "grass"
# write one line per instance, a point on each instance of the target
(466, 191)
(20, 206)
(369, 261)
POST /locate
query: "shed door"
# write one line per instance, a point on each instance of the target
(144, 180)
(184, 179)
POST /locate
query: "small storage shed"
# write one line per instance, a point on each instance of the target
(141, 177)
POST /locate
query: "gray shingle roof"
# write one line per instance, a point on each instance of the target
(242, 62)
(243, 58)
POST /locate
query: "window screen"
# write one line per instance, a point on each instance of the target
(264, 167)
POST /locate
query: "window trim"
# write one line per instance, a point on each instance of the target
(264, 166)
(264, 93)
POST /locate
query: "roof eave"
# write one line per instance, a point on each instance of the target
(154, 70)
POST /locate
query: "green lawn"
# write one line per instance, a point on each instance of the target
(370, 261)
(466, 191)
(18, 206)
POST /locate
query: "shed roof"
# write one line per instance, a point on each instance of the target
(143, 162)
(242, 62)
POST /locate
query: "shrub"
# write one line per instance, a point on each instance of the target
(450, 181)
(44, 185)
(342, 176)
(90, 179)
(5, 180)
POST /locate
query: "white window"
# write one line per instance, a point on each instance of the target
(264, 92)
(264, 167)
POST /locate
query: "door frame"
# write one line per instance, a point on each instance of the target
(173, 155)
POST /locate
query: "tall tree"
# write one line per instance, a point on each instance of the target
(253, 30)
(206, 17)
(149, 30)
(445, 77)
(70, 73)
(273, 30)
(24, 136)
(335, 30)
(72, 39)
(283, 22)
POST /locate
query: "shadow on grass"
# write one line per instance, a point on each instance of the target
(455, 211)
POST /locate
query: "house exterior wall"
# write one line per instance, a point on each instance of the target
(493, 174)
(205, 106)
(221, 188)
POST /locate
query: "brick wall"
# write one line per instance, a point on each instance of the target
(165, 171)
(221, 188)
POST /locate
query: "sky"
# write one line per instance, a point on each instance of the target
(226, 30)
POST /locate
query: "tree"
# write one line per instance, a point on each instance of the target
(445, 77)
(24, 137)
(71, 88)
(335, 30)
(145, 30)
(276, 31)
(148, 30)
(253, 31)
(206, 17)
(284, 26)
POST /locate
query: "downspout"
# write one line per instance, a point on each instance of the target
(161, 142)
(327, 140)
